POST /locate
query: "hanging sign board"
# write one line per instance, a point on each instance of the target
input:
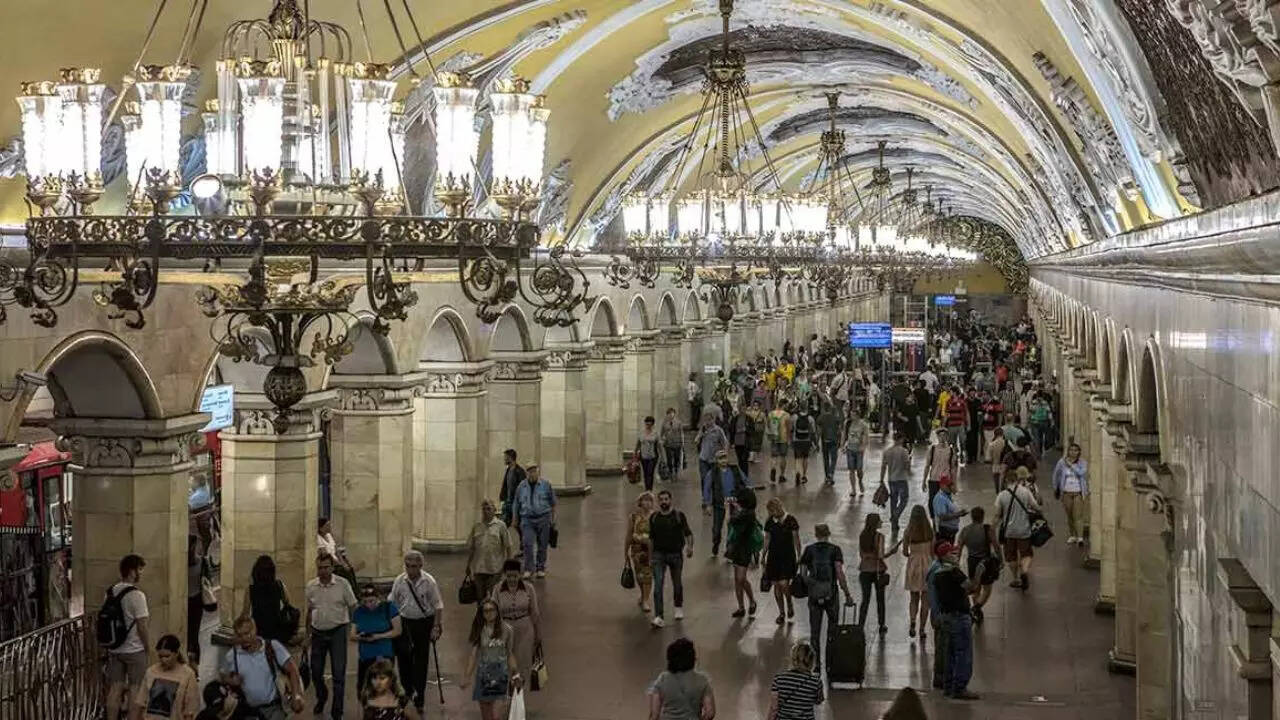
(219, 402)
(908, 336)
(870, 335)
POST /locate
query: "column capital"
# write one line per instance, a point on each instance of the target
(517, 367)
(129, 445)
(669, 337)
(567, 357)
(608, 348)
(641, 341)
(254, 412)
(376, 394)
(452, 379)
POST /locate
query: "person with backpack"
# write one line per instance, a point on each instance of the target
(802, 432)
(123, 630)
(1014, 507)
(778, 434)
(746, 539)
(1071, 486)
(672, 543)
(330, 601)
(1020, 456)
(417, 597)
(822, 570)
(718, 485)
(979, 541)
(375, 623)
(253, 668)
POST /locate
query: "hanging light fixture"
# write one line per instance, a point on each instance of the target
(305, 151)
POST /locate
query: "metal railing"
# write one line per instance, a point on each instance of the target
(51, 674)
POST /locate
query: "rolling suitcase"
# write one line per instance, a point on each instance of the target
(846, 652)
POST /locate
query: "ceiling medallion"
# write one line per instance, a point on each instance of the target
(304, 149)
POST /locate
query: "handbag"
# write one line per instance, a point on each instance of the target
(628, 579)
(553, 537)
(800, 586)
(467, 591)
(208, 599)
(538, 675)
(765, 583)
(632, 471)
(882, 578)
(881, 496)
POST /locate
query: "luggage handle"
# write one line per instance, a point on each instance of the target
(844, 608)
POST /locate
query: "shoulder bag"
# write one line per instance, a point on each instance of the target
(881, 496)
(1041, 533)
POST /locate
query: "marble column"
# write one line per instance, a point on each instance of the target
(563, 457)
(750, 330)
(1102, 500)
(452, 435)
(1252, 652)
(1123, 656)
(1153, 546)
(715, 351)
(690, 363)
(372, 475)
(129, 495)
(667, 372)
(603, 406)
(270, 496)
(515, 412)
(637, 385)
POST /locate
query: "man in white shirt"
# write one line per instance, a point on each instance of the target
(127, 662)
(417, 596)
(330, 601)
(930, 381)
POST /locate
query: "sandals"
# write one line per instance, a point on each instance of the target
(911, 632)
(752, 610)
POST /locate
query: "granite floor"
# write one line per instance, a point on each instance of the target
(1040, 654)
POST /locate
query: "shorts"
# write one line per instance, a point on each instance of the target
(853, 458)
(1016, 548)
(126, 668)
(779, 449)
(802, 448)
(981, 569)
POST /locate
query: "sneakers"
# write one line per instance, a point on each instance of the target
(679, 613)
(526, 575)
(540, 574)
(657, 621)
(1072, 540)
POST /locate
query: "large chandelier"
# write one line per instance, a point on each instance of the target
(304, 164)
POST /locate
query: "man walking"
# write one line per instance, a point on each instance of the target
(330, 601)
(823, 564)
(856, 434)
(672, 543)
(711, 440)
(535, 512)
(252, 667)
(945, 511)
(896, 463)
(512, 476)
(830, 421)
(488, 547)
(417, 596)
(719, 484)
(953, 589)
(127, 661)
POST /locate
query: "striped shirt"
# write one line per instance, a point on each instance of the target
(798, 693)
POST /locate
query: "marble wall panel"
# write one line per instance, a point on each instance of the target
(603, 406)
(371, 456)
(564, 438)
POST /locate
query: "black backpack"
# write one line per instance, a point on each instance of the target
(112, 628)
(821, 576)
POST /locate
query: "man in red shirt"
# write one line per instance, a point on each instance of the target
(992, 412)
(956, 419)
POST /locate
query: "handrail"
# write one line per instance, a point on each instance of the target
(51, 674)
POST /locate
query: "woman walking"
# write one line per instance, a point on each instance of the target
(919, 553)
(518, 606)
(941, 460)
(781, 553)
(383, 697)
(268, 604)
(872, 570)
(647, 450)
(1071, 486)
(672, 443)
(637, 547)
(796, 691)
(681, 693)
(746, 539)
(492, 667)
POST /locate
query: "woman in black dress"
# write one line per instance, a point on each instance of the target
(781, 551)
(745, 543)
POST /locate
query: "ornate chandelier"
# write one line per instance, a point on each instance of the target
(304, 163)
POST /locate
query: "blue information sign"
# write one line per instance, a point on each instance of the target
(942, 300)
(870, 335)
(219, 402)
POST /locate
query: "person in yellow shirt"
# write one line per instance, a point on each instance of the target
(943, 396)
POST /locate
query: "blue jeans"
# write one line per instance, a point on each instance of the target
(830, 450)
(959, 628)
(898, 493)
(717, 523)
(535, 530)
(661, 563)
(333, 645)
(1040, 438)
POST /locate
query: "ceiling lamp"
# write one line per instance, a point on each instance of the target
(304, 163)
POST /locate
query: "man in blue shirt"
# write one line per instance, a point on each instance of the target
(710, 441)
(718, 484)
(374, 623)
(535, 511)
(945, 511)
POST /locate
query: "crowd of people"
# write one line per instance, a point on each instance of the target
(979, 398)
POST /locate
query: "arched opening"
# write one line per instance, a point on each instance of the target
(372, 353)
(1104, 354)
(511, 332)
(1120, 384)
(692, 308)
(447, 340)
(1147, 413)
(603, 322)
(637, 315)
(667, 312)
(95, 374)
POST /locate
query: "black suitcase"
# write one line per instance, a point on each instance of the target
(846, 652)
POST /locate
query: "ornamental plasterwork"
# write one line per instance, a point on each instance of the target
(515, 371)
(556, 191)
(375, 399)
(565, 359)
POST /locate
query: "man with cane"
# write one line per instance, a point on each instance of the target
(418, 598)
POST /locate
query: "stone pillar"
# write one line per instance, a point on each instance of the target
(372, 476)
(1153, 538)
(1251, 654)
(1123, 657)
(690, 362)
(515, 413)
(454, 406)
(668, 372)
(563, 458)
(715, 351)
(603, 406)
(270, 497)
(130, 481)
(790, 322)
(637, 384)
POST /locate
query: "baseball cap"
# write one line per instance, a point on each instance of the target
(946, 481)
(944, 548)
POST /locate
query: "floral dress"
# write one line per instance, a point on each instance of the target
(639, 549)
(493, 674)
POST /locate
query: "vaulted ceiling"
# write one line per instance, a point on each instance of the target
(1040, 116)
